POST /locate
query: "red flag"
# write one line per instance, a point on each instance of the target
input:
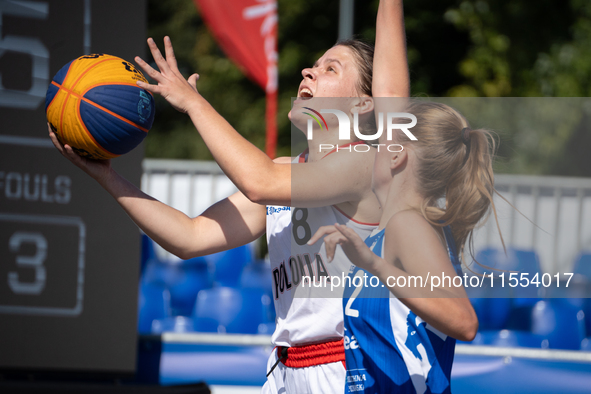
(247, 32)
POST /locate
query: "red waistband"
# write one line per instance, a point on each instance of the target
(310, 355)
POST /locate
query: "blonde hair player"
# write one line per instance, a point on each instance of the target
(309, 334)
(409, 333)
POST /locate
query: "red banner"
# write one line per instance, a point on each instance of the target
(247, 32)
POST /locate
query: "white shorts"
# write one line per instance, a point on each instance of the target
(317, 379)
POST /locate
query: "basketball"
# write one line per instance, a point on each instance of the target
(94, 105)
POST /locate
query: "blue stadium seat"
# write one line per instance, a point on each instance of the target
(491, 304)
(184, 280)
(526, 261)
(266, 328)
(148, 253)
(238, 310)
(555, 319)
(586, 344)
(154, 303)
(257, 275)
(518, 261)
(583, 265)
(227, 265)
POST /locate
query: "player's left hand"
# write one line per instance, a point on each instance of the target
(178, 91)
(353, 246)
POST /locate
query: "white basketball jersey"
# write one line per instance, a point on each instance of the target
(308, 308)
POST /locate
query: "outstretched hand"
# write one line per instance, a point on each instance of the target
(353, 246)
(98, 169)
(178, 91)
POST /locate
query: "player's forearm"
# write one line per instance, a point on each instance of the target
(251, 170)
(390, 69)
(452, 316)
(448, 310)
(170, 228)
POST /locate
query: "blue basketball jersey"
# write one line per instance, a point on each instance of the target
(388, 348)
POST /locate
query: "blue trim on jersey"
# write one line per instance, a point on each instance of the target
(388, 348)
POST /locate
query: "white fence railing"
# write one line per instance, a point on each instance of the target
(559, 206)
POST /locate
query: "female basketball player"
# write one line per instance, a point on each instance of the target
(309, 328)
(401, 338)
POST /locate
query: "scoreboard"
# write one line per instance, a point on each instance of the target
(69, 255)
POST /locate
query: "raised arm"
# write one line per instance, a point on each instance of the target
(255, 174)
(390, 64)
(230, 223)
(251, 170)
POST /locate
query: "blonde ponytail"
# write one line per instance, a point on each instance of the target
(455, 163)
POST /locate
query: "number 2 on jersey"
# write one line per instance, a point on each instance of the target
(348, 310)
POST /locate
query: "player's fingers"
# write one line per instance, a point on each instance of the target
(331, 241)
(73, 156)
(151, 88)
(155, 75)
(349, 233)
(55, 141)
(170, 58)
(193, 81)
(322, 231)
(330, 246)
(157, 55)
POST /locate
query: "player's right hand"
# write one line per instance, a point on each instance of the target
(98, 169)
(171, 84)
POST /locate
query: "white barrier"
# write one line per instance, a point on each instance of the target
(559, 206)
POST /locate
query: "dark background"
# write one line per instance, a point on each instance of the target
(92, 328)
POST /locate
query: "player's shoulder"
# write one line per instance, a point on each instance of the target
(408, 217)
(408, 224)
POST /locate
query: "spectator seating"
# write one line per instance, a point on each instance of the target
(184, 280)
(154, 303)
(238, 310)
(227, 265)
(526, 261)
(583, 265)
(229, 292)
(257, 275)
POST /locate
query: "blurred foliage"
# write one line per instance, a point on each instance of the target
(456, 48)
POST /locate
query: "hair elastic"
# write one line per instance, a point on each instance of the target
(465, 133)
(466, 136)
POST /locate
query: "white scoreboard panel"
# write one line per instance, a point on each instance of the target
(69, 256)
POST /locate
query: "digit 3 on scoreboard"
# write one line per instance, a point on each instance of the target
(94, 104)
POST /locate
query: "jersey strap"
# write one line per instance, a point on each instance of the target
(310, 355)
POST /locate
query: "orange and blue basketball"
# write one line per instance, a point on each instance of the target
(94, 105)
